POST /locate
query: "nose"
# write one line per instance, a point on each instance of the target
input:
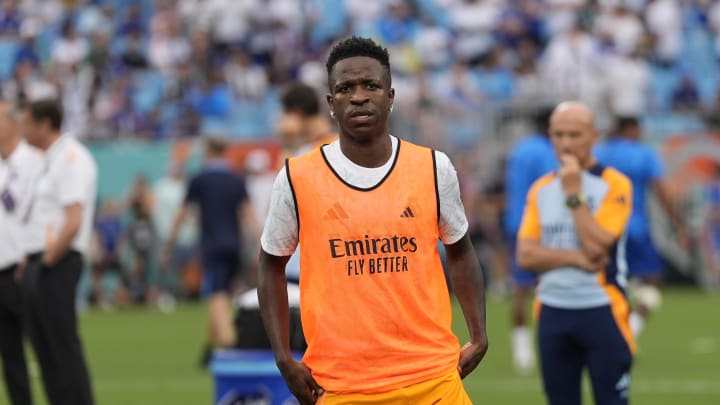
(359, 96)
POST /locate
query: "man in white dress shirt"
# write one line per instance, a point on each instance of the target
(59, 224)
(19, 164)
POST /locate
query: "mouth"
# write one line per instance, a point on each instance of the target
(361, 116)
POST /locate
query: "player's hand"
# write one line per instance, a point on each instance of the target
(300, 381)
(471, 354)
(591, 265)
(19, 270)
(570, 174)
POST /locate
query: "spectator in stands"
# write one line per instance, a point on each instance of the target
(664, 21)
(167, 48)
(627, 83)
(247, 80)
(686, 97)
(10, 18)
(70, 49)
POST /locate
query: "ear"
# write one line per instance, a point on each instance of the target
(330, 101)
(391, 95)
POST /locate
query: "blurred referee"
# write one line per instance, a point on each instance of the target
(59, 223)
(19, 164)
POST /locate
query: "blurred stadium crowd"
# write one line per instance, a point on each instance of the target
(168, 68)
(470, 76)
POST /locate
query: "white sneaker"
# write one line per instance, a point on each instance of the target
(522, 351)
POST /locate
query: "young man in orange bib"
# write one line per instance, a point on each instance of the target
(367, 211)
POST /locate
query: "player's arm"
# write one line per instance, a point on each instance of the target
(468, 286)
(595, 239)
(531, 255)
(660, 188)
(73, 188)
(178, 221)
(73, 214)
(278, 241)
(603, 229)
(272, 293)
(462, 263)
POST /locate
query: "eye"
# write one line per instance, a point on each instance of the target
(343, 89)
(372, 86)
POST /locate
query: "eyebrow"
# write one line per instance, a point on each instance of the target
(350, 82)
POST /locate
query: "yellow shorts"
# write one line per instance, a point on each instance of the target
(445, 390)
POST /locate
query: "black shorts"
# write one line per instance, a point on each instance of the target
(219, 270)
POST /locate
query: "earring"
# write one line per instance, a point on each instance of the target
(332, 114)
(391, 108)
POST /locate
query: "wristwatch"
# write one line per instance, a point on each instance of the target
(574, 201)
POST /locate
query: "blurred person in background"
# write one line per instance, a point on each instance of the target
(304, 127)
(59, 224)
(625, 151)
(529, 159)
(142, 241)
(109, 235)
(226, 213)
(170, 192)
(572, 235)
(311, 128)
(20, 165)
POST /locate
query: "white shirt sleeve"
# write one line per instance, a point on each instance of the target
(453, 222)
(73, 178)
(280, 234)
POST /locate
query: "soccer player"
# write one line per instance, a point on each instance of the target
(572, 234)
(225, 213)
(626, 152)
(20, 164)
(530, 159)
(367, 211)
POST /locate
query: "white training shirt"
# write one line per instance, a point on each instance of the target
(280, 234)
(17, 175)
(69, 176)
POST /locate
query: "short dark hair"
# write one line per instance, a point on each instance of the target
(216, 145)
(357, 46)
(624, 123)
(301, 98)
(50, 110)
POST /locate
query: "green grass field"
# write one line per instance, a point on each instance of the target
(143, 357)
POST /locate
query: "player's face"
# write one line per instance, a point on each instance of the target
(7, 121)
(360, 97)
(30, 129)
(572, 135)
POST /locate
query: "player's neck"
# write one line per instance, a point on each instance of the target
(9, 147)
(373, 153)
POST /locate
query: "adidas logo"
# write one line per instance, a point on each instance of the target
(407, 213)
(336, 212)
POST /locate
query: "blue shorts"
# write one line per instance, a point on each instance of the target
(571, 340)
(642, 258)
(219, 270)
(521, 278)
